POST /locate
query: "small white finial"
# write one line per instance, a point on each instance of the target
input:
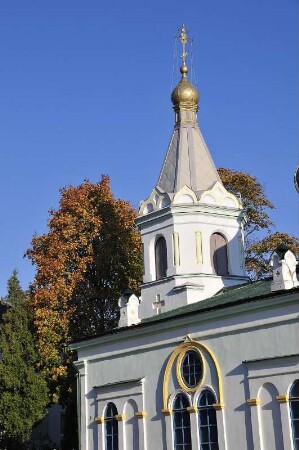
(283, 263)
(128, 307)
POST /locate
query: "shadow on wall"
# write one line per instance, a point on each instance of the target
(270, 424)
(243, 407)
(132, 429)
(92, 397)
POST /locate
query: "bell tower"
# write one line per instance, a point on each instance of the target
(191, 226)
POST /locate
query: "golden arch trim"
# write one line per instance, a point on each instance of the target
(182, 348)
(179, 372)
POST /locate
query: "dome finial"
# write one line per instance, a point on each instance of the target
(184, 96)
(183, 37)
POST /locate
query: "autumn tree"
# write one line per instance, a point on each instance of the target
(91, 253)
(260, 239)
(23, 390)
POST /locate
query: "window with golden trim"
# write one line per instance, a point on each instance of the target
(190, 369)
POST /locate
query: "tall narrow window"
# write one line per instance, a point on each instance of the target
(219, 254)
(161, 258)
(207, 421)
(111, 427)
(181, 423)
(294, 411)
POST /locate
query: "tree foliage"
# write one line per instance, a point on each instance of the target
(258, 247)
(91, 253)
(255, 202)
(259, 251)
(23, 391)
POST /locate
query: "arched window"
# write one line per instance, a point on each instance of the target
(111, 427)
(161, 258)
(219, 254)
(207, 421)
(181, 423)
(294, 411)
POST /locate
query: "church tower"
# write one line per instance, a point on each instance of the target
(191, 226)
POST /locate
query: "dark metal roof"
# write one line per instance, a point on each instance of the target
(227, 297)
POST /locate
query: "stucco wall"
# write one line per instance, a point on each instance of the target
(251, 346)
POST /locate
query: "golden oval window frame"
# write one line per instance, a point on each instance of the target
(179, 376)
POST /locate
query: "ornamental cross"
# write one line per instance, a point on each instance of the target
(158, 303)
(183, 37)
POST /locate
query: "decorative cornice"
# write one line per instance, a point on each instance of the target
(141, 414)
(185, 122)
(192, 209)
(120, 417)
(167, 412)
(218, 406)
(192, 409)
(99, 419)
(282, 398)
(80, 367)
(135, 382)
(253, 401)
(186, 276)
(271, 358)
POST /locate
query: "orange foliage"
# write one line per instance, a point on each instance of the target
(256, 206)
(66, 257)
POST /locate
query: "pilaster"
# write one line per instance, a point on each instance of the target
(81, 367)
(220, 426)
(254, 403)
(121, 432)
(141, 416)
(168, 427)
(285, 421)
(194, 426)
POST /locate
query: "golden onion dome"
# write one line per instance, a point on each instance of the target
(185, 95)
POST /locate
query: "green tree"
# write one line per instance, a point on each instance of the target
(257, 206)
(23, 391)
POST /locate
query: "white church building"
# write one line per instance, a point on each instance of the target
(204, 359)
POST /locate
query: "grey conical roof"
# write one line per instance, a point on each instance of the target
(188, 161)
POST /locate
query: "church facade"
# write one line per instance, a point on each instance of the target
(205, 359)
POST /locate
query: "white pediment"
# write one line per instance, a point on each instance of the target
(158, 199)
(219, 196)
(184, 196)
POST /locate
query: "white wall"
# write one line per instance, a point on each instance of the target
(236, 340)
(186, 222)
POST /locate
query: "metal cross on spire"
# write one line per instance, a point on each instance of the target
(183, 37)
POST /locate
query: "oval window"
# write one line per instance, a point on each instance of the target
(192, 369)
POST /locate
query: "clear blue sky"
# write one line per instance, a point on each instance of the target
(85, 89)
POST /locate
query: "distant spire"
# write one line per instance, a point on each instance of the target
(188, 160)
